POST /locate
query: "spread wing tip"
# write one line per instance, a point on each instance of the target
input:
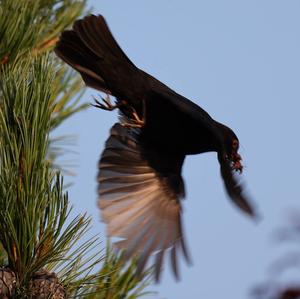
(236, 192)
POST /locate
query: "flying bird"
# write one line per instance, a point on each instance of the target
(140, 183)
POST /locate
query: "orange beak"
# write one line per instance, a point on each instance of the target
(236, 162)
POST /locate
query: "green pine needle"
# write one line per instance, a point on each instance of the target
(37, 94)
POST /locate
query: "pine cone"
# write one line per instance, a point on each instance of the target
(7, 283)
(45, 285)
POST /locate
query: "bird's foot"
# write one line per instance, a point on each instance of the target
(106, 105)
(132, 125)
(136, 121)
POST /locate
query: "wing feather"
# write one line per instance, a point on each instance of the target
(137, 202)
(235, 189)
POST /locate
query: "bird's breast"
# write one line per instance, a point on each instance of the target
(173, 131)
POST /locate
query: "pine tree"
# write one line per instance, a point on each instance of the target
(40, 251)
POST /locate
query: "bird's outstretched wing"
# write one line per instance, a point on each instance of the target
(139, 197)
(236, 191)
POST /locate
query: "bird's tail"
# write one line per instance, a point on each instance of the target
(91, 49)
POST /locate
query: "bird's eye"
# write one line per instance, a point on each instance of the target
(235, 144)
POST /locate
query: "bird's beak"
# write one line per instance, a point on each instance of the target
(236, 162)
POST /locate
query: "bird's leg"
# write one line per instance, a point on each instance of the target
(106, 105)
(136, 121)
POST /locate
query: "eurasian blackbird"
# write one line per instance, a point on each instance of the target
(140, 182)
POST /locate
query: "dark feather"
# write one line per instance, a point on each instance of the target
(235, 190)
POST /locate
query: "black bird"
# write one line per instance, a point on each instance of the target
(140, 182)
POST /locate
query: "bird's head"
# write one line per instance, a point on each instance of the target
(232, 155)
(230, 148)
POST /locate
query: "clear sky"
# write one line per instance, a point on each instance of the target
(240, 61)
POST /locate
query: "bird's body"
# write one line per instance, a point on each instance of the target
(140, 183)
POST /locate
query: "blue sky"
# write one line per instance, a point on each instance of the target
(240, 61)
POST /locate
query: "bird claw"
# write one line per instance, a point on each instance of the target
(136, 121)
(106, 105)
(132, 125)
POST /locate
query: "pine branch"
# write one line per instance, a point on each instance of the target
(34, 210)
(33, 207)
(117, 280)
(38, 232)
(34, 25)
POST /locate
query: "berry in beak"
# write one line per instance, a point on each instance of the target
(236, 162)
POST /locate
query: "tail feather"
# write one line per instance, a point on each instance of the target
(72, 50)
(95, 33)
(86, 31)
(86, 46)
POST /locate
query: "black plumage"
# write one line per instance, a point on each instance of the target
(140, 182)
